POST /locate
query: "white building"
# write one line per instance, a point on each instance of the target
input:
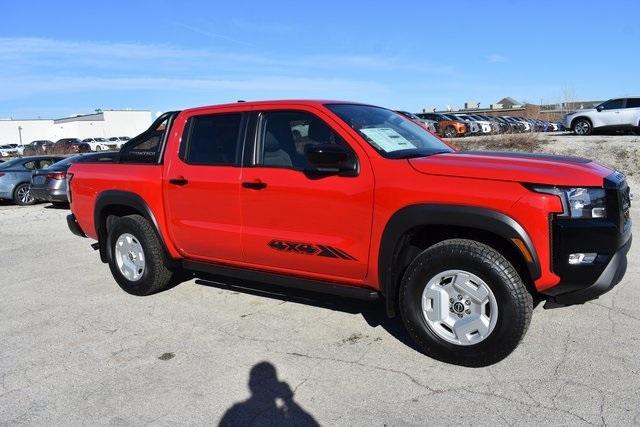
(104, 124)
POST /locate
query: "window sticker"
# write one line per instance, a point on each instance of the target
(387, 139)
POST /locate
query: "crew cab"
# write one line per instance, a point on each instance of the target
(618, 114)
(359, 201)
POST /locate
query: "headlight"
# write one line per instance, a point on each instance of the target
(579, 202)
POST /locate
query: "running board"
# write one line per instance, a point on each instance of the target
(346, 291)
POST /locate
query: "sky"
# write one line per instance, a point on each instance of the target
(72, 57)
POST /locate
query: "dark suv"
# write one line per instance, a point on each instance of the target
(70, 146)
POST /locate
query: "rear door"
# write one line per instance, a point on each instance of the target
(631, 112)
(202, 185)
(294, 222)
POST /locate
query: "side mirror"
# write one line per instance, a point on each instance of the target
(331, 159)
(599, 108)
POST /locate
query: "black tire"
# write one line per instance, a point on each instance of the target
(514, 302)
(582, 127)
(157, 276)
(450, 132)
(19, 197)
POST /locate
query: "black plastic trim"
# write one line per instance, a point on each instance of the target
(415, 216)
(346, 291)
(74, 227)
(609, 278)
(119, 198)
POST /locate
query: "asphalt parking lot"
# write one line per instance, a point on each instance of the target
(75, 349)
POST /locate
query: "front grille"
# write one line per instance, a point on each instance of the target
(625, 205)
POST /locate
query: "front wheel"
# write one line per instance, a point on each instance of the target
(464, 303)
(136, 257)
(582, 127)
(450, 132)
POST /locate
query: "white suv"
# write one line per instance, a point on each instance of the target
(614, 114)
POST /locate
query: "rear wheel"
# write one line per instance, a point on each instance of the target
(464, 303)
(136, 257)
(582, 127)
(22, 195)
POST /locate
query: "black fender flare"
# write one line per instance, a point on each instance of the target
(125, 199)
(418, 215)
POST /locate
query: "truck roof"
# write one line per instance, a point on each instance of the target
(309, 102)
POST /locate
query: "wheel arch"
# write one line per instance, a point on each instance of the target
(414, 228)
(111, 204)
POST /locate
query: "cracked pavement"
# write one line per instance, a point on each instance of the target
(75, 349)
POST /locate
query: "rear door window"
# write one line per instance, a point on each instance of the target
(212, 140)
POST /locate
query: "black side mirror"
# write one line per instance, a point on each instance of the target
(331, 159)
(599, 108)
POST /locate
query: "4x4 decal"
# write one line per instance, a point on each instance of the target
(309, 249)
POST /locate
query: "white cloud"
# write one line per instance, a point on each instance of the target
(497, 58)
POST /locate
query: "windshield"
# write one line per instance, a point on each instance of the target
(391, 134)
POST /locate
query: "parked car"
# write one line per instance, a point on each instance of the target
(50, 184)
(484, 126)
(70, 146)
(38, 147)
(619, 114)
(9, 150)
(367, 205)
(448, 127)
(473, 127)
(427, 124)
(116, 142)
(97, 144)
(15, 177)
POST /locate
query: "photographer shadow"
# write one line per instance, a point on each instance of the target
(271, 402)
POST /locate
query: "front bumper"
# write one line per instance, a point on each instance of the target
(610, 238)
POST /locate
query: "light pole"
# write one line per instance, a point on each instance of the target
(20, 134)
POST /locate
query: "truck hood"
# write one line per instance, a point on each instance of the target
(516, 167)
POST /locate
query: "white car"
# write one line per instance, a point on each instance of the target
(117, 141)
(612, 115)
(97, 144)
(10, 150)
(485, 125)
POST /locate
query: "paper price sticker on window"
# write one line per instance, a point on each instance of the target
(387, 139)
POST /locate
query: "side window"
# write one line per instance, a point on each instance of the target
(285, 134)
(145, 147)
(633, 103)
(30, 165)
(614, 104)
(212, 140)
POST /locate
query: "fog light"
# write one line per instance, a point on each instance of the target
(579, 258)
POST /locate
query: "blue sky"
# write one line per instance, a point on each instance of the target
(64, 57)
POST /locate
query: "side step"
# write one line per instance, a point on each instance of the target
(346, 291)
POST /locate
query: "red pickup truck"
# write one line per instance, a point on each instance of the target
(359, 201)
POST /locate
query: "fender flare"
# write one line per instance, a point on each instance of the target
(414, 216)
(120, 198)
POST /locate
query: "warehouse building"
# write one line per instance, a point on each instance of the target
(104, 124)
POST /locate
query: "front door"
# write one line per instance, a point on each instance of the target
(202, 187)
(294, 221)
